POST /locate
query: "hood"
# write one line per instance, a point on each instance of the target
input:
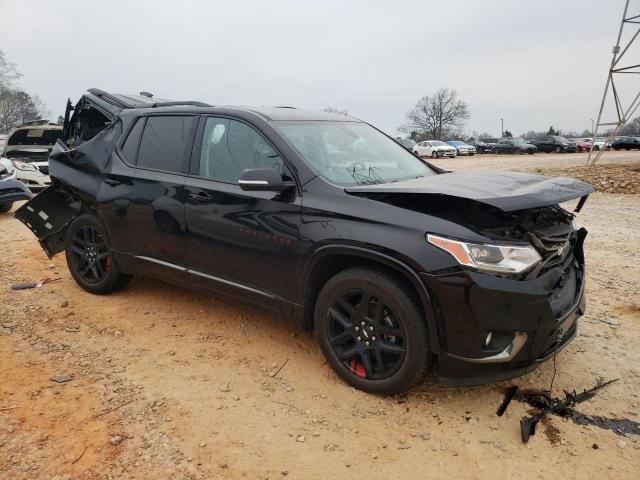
(507, 191)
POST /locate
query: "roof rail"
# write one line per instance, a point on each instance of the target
(170, 104)
(119, 102)
(110, 98)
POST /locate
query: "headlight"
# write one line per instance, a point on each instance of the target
(490, 258)
(23, 166)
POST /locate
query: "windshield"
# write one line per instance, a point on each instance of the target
(437, 143)
(560, 139)
(519, 141)
(455, 142)
(352, 153)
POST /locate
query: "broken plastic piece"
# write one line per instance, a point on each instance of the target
(508, 396)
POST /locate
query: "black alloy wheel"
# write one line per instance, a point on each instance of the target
(366, 335)
(90, 254)
(371, 328)
(90, 258)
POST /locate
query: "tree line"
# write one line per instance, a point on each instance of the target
(16, 105)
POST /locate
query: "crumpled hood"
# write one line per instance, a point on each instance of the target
(508, 191)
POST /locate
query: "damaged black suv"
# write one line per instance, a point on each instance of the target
(397, 265)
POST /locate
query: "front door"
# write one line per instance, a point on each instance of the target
(241, 243)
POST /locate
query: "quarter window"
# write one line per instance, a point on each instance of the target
(229, 147)
(130, 147)
(164, 142)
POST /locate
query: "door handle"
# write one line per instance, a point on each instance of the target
(200, 196)
(112, 181)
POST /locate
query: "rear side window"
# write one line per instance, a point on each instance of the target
(130, 147)
(164, 142)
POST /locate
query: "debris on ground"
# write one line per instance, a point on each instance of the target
(61, 378)
(544, 405)
(28, 285)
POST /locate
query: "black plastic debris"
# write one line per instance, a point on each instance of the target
(564, 407)
(508, 396)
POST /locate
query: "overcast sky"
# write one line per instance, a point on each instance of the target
(533, 63)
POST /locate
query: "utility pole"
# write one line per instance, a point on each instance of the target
(502, 128)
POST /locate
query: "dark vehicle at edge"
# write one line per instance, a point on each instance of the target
(556, 144)
(514, 145)
(407, 143)
(395, 264)
(486, 145)
(626, 143)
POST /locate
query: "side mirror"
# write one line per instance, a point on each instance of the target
(264, 180)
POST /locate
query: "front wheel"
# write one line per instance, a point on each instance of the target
(5, 207)
(372, 331)
(90, 258)
(557, 150)
(434, 154)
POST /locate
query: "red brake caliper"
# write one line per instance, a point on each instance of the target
(357, 368)
(108, 263)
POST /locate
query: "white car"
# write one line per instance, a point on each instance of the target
(29, 146)
(27, 173)
(434, 149)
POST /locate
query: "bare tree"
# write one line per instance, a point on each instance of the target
(437, 116)
(8, 71)
(336, 111)
(18, 107)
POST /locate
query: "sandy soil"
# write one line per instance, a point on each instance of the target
(173, 384)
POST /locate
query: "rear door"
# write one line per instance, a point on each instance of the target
(241, 243)
(142, 199)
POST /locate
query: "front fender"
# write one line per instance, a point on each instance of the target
(326, 251)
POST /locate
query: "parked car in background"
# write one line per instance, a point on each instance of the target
(514, 145)
(11, 189)
(407, 143)
(626, 143)
(390, 261)
(486, 145)
(31, 143)
(557, 144)
(462, 148)
(434, 149)
(583, 145)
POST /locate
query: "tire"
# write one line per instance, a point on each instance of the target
(434, 154)
(90, 258)
(5, 207)
(557, 150)
(596, 148)
(363, 355)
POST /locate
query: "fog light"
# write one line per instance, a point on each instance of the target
(487, 339)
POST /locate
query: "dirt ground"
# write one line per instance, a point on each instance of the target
(172, 384)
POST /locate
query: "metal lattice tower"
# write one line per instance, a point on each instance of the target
(619, 68)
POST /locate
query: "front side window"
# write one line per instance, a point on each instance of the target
(351, 153)
(230, 146)
(164, 142)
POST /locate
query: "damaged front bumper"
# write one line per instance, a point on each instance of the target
(494, 328)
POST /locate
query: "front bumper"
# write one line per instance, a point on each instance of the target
(529, 322)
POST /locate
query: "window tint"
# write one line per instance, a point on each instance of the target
(130, 147)
(164, 142)
(229, 147)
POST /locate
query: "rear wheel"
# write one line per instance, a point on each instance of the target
(90, 259)
(5, 207)
(371, 331)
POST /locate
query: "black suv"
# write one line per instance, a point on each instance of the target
(515, 145)
(393, 262)
(557, 144)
